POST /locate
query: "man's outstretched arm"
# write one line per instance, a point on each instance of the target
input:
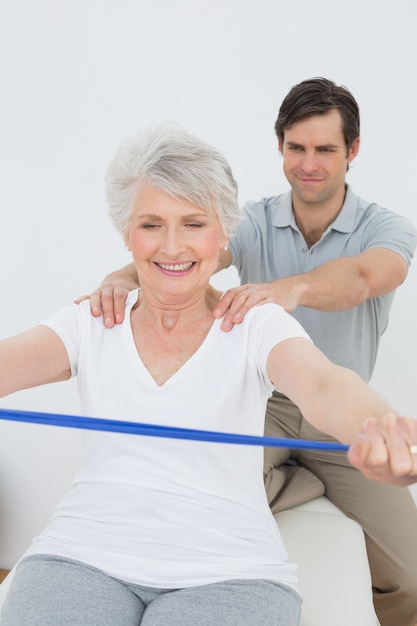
(337, 285)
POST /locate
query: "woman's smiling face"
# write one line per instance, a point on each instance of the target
(175, 245)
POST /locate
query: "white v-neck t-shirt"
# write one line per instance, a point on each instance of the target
(162, 512)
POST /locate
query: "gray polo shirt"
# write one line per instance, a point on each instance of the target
(268, 245)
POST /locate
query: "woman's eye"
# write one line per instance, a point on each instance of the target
(195, 225)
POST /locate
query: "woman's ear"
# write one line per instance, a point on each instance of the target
(225, 243)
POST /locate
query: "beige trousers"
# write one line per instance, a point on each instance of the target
(388, 515)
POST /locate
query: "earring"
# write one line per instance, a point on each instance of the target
(127, 248)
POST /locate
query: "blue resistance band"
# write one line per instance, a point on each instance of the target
(151, 430)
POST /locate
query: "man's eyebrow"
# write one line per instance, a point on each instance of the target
(327, 145)
(296, 144)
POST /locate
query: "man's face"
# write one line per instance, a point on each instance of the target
(316, 158)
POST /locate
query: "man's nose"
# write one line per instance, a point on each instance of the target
(309, 163)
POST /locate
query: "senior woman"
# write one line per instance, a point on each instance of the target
(161, 531)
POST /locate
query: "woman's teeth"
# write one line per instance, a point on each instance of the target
(176, 267)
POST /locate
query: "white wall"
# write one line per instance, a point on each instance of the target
(77, 75)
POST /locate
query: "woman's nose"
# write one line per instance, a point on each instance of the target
(173, 243)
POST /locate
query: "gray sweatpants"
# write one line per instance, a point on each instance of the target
(49, 591)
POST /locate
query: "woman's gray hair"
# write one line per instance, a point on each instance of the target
(176, 162)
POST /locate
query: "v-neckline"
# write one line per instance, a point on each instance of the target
(179, 371)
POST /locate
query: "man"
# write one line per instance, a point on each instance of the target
(334, 261)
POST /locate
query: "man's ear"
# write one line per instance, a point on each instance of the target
(354, 149)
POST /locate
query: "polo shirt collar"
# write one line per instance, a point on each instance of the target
(344, 222)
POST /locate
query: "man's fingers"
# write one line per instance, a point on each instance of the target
(119, 303)
(81, 299)
(108, 301)
(236, 302)
(224, 303)
(107, 307)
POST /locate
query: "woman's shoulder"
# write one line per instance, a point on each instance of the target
(274, 319)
